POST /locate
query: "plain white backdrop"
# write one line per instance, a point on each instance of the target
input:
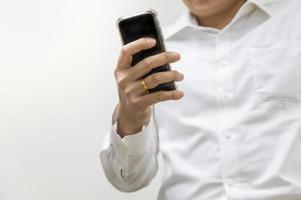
(57, 94)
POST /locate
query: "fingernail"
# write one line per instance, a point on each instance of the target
(177, 55)
(181, 76)
(151, 41)
(181, 94)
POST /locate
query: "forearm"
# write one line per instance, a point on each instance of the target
(130, 163)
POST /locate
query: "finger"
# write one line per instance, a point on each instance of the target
(153, 98)
(128, 50)
(155, 79)
(146, 65)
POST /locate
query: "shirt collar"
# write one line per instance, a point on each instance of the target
(266, 6)
(188, 20)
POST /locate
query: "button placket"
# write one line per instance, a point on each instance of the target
(225, 112)
(227, 135)
(225, 95)
(230, 182)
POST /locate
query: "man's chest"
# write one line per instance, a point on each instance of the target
(260, 66)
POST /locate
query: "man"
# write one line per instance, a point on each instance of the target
(236, 134)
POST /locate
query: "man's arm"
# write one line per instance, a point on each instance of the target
(129, 153)
(130, 163)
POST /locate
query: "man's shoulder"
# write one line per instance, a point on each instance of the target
(175, 27)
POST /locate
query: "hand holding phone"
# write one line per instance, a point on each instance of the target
(143, 57)
(141, 25)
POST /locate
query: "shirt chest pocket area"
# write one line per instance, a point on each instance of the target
(276, 72)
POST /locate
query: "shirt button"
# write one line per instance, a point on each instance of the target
(227, 135)
(226, 96)
(224, 63)
(230, 182)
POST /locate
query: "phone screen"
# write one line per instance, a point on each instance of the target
(139, 26)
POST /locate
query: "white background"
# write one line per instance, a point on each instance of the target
(57, 94)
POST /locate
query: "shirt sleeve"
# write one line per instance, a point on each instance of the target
(130, 163)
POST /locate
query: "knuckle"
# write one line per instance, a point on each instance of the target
(115, 74)
(122, 83)
(159, 97)
(147, 63)
(155, 78)
(124, 51)
(127, 92)
(135, 103)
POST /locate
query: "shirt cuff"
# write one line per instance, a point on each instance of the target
(135, 144)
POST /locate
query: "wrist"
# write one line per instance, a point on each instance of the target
(125, 128)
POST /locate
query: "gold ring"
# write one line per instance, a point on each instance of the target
(144, 85)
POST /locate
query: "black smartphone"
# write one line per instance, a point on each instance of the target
(145, 24)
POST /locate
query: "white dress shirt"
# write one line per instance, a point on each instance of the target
(236, 133)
